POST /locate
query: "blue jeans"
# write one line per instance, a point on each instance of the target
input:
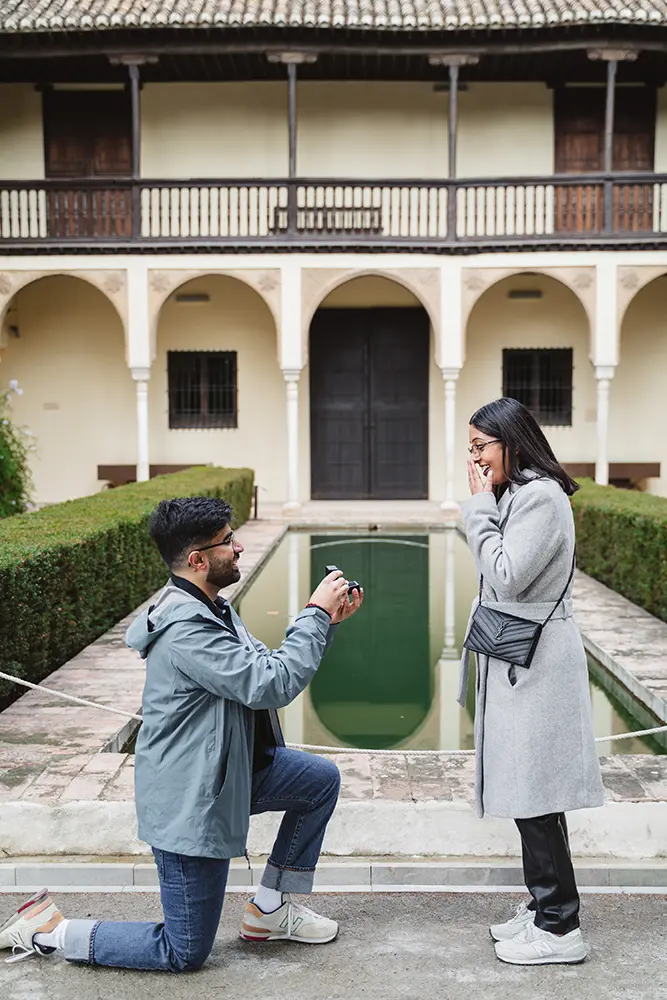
(192, 890)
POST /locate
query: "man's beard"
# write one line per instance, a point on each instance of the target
(223, 573)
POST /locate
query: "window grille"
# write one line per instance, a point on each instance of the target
(541, 379)
(202, 389)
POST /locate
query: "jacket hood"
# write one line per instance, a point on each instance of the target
(173, 605)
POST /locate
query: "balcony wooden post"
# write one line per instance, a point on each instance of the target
(135, 92)
(133, 63)
(453, 63)
(612, 57)
(452, 136)
(292, 60)
(612, 66)
(291, 104)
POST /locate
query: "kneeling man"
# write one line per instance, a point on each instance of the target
(209, 753)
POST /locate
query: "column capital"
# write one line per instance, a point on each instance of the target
(450, 374)
(291, 374)
(612, 55)
(605, 373)
(292, 58)
(141, 374)
(453, 59)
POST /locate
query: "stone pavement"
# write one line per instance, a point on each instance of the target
(625, 639)
(391, 947)
(361, 513)
(59, 794)
(49, 749)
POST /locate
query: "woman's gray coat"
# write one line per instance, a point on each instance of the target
(534, 739)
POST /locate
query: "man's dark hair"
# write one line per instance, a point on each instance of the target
(182, 524)
(523, 441)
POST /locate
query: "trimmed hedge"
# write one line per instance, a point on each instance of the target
(622, 541)
(70, 571)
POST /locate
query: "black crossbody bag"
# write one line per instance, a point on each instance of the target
(506, 637)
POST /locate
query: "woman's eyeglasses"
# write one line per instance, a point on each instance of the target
(477, 449)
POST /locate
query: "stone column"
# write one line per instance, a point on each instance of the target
(141, 377)
(293, 714)
(291, 376)
(450, 376)
(604, 374)
(450, 651)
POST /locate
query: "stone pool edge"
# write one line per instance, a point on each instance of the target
(82, 801)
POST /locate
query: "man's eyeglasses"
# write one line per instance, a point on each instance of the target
(477, 449)
(229, 540)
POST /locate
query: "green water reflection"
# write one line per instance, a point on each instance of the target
(390, 679)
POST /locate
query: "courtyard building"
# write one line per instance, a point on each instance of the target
(313, 239)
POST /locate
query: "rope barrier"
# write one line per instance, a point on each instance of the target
(307, 746)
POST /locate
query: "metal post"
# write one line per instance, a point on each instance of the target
(453, 117)
(452, 133)
(135, 93)
(291, 101)
(612, 66)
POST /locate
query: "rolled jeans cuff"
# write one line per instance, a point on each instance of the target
(79, 938)
(288, 879)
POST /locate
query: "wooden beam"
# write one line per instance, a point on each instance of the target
(334, 49)
(453, 117)
(612, 67)
(135, 93)
(291, 102)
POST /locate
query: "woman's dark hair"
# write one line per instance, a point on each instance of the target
(524, 443)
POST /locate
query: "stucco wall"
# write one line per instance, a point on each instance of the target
(505, 130)
(235, 319)
(496, 322)
(78, 398)
(637, 405)
(21, 137)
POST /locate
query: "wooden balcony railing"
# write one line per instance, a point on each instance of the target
(520, 213)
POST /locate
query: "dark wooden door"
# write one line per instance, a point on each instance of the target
(369, 371)
(88, 134)
(579, 116)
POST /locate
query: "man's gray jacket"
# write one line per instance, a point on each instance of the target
(194, 753)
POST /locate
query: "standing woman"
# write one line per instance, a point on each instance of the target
(535, 749)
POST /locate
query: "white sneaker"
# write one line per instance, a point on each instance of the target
(533, 946)
(38, 915)
(514, 926)
(290, 922)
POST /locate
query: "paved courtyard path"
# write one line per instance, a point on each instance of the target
(392, 947)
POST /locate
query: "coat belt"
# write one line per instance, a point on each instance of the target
(538, 611)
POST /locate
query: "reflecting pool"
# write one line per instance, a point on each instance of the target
(390, 680)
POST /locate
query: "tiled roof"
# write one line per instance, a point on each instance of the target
(406, 15)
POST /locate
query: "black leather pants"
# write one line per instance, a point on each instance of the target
(548, 872)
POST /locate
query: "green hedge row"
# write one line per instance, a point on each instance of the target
(70, 571)
(622, 541)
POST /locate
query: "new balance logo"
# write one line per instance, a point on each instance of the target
(296, 923)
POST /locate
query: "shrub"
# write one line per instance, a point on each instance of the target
(70, 571)
(622, 541)
(15, 481)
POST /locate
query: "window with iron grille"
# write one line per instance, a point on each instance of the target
(541, 379)
(202, 388)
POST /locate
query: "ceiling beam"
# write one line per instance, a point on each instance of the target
(306, 51)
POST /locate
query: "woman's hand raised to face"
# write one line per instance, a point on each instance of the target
(478, 481)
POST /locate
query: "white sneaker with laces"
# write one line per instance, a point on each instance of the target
(513, 926)
(533, 946)
(38, 915)
(290, 922)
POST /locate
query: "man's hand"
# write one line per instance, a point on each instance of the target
(348, 607)
(331, 592)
